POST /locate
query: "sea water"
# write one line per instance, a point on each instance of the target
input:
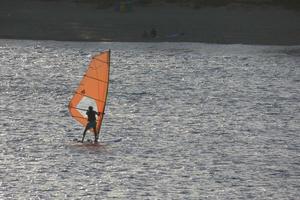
(197, 121)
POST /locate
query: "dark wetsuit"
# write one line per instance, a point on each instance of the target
(91, 118)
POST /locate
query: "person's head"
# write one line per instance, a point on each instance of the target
(90, 107)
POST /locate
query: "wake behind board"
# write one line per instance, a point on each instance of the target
(112, 141)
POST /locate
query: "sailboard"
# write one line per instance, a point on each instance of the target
(92, 90)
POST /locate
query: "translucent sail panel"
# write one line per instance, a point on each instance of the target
(92, 90)
(83, 105)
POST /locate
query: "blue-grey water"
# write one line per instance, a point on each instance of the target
(197, 121)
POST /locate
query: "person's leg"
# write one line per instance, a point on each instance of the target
(96, 135)
(86, 128)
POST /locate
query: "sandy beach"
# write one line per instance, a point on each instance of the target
(68, 20)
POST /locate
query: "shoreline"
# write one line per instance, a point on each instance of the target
(69, 21)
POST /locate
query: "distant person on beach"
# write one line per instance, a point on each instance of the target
(91, 122)
(153, 33)
(145, 34)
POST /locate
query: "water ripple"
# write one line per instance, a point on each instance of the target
(197, 121)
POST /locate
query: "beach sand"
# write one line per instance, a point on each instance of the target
(71, 21)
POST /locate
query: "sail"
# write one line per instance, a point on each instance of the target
(92, 90)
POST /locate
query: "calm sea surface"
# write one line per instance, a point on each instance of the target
(197, 121)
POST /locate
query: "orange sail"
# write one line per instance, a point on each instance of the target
(92, 90)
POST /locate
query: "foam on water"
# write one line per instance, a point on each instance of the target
(197, 121)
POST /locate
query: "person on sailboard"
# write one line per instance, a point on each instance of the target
(91, 122)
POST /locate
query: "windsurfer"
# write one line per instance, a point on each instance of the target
(91, 122)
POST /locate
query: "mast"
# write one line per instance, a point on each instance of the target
(100, 119)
